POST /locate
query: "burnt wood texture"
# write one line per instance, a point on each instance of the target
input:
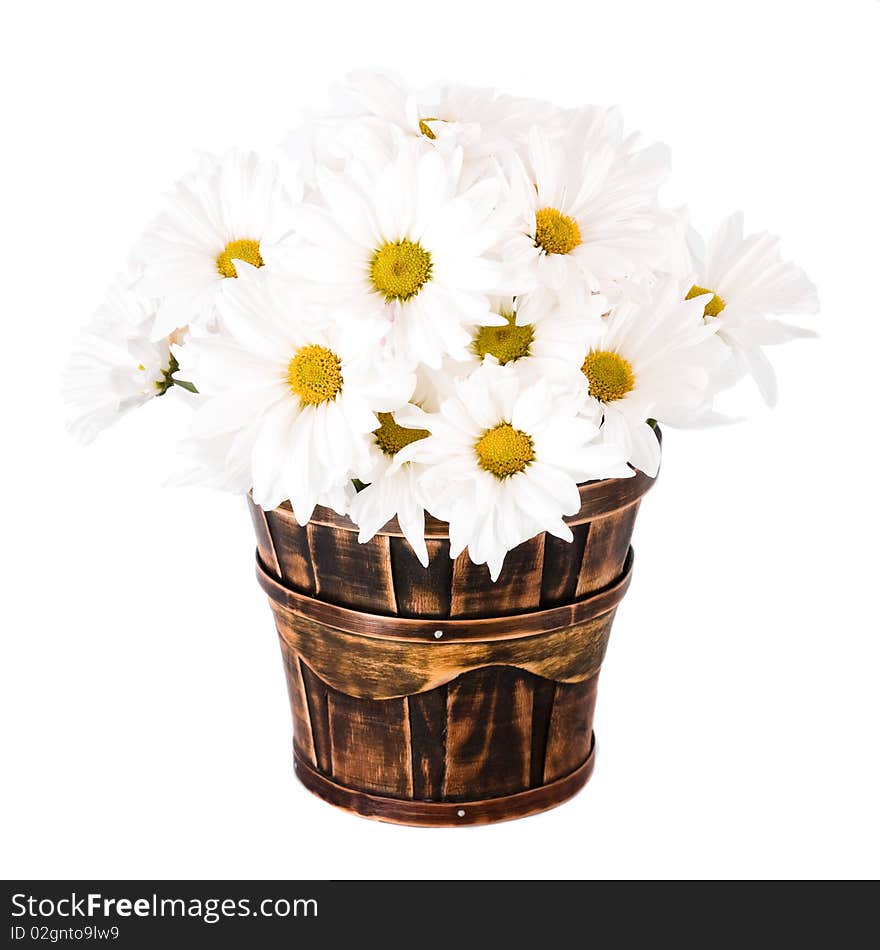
(433, 696)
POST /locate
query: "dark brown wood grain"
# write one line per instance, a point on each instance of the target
(562, 567)
(434, 696)
(352, 574)
(517, 589)
(316, 694)
(488, 734)
(427, 724)
(543, 699)
(370, 744)
(265, 544)
(570, 731)
(302, 726)
(421, 591)
(289, 546)
(605, 551)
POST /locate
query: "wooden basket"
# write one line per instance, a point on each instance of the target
(433, 696)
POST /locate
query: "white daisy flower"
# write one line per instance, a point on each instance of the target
(232, 212)
(588, 201)
(741, 280)
(294, 399)
(543, 336)
(655, 360)
(505, 457)
(115, 366)
(400, 245)
(485, 123)
(330, 143)
(394, 489)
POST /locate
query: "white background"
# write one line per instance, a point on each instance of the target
(145, 717)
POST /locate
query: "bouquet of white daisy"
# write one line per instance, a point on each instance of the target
(449, 301)
(444, 321)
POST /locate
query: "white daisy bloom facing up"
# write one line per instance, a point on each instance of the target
(543, 336)
(483, 122)
(233, 212)
(115, 366)
(741, 280)
(394, 489)
(505, 457)
(588, 203)
(655, 360)
(291, 401)
(401, 245)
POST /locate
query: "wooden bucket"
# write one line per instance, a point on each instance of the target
(433, 696)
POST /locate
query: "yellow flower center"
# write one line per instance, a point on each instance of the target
(504, 451)
(391, 437)
(244, 250)
(713, 307)
(556, 233)
(504, 343)
(315, 374)
(426, 129)
(399, 269)
(610, 376)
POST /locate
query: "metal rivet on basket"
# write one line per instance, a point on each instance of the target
(438, 634)
(461, 813)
